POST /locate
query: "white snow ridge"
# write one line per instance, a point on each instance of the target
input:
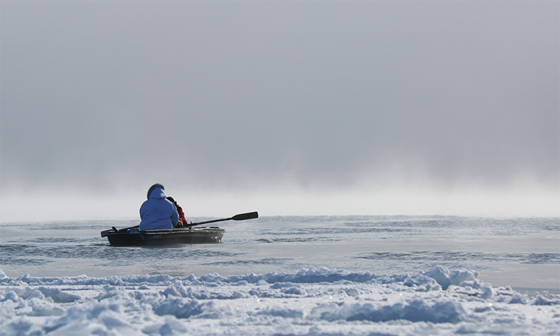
(315, 301)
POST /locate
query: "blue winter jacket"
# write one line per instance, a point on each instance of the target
(157, 213)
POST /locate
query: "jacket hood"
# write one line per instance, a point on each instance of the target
(156, 185)
(157, 193)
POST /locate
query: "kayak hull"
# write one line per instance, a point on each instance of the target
(178, 236)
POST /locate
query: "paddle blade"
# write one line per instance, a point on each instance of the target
(248, 215)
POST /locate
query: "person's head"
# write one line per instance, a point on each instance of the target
(157, 185)
(170, 199)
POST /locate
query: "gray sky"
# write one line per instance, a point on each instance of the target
(268, 97)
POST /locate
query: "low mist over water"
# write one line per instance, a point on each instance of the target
(294, 108)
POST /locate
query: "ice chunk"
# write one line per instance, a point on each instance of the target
(169, 326)
(542, 301)
(414, 311)
(518, 298)
(58, 296)
(446, 278)
(179, 307)
(283, 312)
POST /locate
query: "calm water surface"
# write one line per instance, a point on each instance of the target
(520, 252)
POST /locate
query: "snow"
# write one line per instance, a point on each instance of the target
(313, 301)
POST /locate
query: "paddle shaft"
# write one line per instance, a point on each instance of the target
(245, 216)
(206, 222)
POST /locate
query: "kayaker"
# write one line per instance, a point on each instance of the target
(182, 220)
(157, 213)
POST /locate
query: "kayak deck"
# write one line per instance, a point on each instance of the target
(135, 237)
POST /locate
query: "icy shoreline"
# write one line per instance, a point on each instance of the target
(315, 301)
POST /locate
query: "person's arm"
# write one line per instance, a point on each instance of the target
(142, 210)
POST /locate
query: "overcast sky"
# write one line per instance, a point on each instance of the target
(263, 97)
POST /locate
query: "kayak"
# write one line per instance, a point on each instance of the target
(135, 237)
(187, 234)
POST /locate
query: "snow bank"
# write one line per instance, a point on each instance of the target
(311, 301)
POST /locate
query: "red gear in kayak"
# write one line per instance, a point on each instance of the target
(181, 214)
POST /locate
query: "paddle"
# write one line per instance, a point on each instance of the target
(240, 217)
